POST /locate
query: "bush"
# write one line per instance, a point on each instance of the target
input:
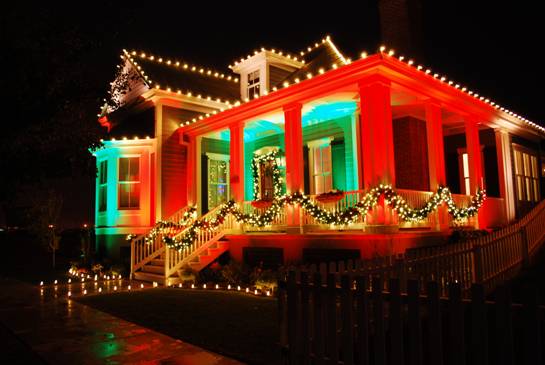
(235, 273)
(264, 279)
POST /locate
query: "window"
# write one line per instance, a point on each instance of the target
(129, 183)
(463, 161)
(218, 178)
(526, 175)
(253, 84)
(320, 167)
(102, 185)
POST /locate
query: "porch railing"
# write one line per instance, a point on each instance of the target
(143, 250)
(279, 220)
(175, 259)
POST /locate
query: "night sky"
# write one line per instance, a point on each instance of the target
(493, 50)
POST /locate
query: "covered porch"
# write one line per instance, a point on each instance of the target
(338, 145)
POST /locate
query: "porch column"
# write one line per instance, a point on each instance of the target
(473, 145)
(191, 168)
(294, 161)
(436, 157)
(377, 145)
(236, 161)
(505, 173)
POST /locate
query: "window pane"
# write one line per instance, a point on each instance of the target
(124, 191)
(326, 159)
(134, 196)
(528, 189)
(317, 160)
(319, 184)
(534, 167)
(328, 183)
(517, 163)
(519, 188)
(222, 172)
(123, 169)
(102, 198)
(467, 186)
(134, 169)
(526, 164)
(103, 173)
(536, 191)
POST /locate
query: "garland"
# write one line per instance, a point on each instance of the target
(347, 216)
(276, 177)
(161, 226)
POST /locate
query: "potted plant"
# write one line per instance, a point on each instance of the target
(332, 196)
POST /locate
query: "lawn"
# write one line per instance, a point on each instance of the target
(237, 325)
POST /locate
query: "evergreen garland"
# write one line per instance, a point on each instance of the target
(340, 218)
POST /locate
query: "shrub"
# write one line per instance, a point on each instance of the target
(264, 279)
(186, 273)
(235, 273)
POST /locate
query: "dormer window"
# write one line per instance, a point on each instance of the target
(253, 84)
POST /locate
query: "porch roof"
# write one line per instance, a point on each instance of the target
(340, 75)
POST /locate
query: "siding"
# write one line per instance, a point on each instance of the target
(277, 75)
(173, 161)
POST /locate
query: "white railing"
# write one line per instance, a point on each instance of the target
(143, 251)
(175, 259)
(349, 199)
(417, 199)
(279, 220)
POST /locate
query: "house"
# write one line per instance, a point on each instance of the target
(301, 156)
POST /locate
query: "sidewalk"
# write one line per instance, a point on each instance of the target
(53, 329)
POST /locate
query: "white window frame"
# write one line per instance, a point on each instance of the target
(312, 146)
(120, 183)
(526, 175)
(102, 185)
(252, 85)
(218, 157)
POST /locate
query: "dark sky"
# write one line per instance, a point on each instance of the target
(493, 49)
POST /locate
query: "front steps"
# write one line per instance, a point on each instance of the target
(154, 271)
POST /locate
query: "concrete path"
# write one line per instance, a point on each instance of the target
(43, 325)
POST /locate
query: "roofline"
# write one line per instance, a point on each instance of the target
(385, 65)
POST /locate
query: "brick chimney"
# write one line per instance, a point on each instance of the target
(401, 25)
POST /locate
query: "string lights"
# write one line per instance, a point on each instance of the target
(323, 216)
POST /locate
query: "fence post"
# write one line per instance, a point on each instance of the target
(532, 337)
(332, 343)
(504, 326)
(282, 318)
(477, 264)
(396, 323)
(434, 324)
(415, 329)
(378, 319)
(347, 320)
(524, 247)
(132, 259)
(456, 325)
(293, 339)
(318, 337)
(305, 319)
(362, 315)
(479, 326)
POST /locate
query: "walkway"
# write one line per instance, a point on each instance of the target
(49, 328)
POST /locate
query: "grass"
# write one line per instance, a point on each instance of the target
(229, 323)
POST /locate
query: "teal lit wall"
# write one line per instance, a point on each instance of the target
(340, 129)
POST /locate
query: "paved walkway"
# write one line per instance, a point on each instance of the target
(45, 326)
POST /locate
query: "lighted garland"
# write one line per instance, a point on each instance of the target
(347, 216)
(276, 177)
(161, 226)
